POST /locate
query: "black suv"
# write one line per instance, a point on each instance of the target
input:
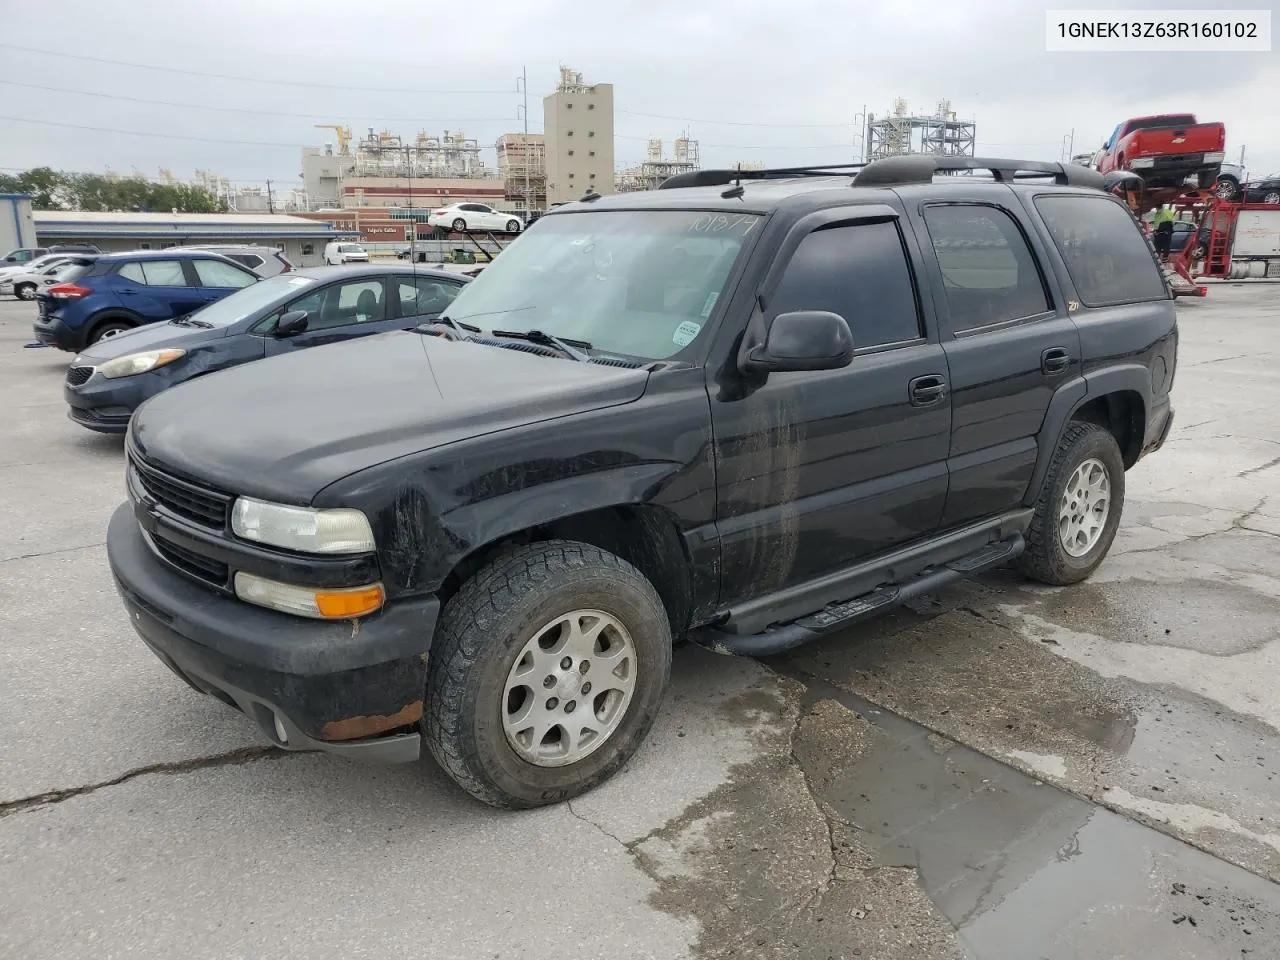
(749, 408)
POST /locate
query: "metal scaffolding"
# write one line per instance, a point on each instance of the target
(940, 134)
(522, 164)
(451, 155)
(657, 168)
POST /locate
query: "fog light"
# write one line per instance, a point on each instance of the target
(280, 730)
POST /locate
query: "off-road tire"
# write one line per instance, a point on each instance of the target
(1045, 559)
(25, 291)
(482, 630)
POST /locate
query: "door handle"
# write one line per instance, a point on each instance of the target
(927, 390)
(1055, 360)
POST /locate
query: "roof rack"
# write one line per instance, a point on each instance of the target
(899, 171)
(719, 178)
(896, 171)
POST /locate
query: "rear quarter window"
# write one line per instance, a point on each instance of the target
(1108, 258)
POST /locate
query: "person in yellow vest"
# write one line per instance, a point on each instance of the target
(1163, 235)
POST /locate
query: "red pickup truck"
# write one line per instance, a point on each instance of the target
(1165, 150)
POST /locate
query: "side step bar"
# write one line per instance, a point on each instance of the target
(836, 616)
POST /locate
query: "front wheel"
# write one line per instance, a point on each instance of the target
(1079, 509)
(1227, 188)
(1273, 197)
(546, 673)
(25, 291)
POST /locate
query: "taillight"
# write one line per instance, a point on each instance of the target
(439, 213)
(286, 268)
(68, 291)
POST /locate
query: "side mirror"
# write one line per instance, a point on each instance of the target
(803, 340)
(291, 324)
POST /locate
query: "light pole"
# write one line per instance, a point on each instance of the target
(522, 87)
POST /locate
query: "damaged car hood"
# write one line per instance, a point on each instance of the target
(285, 428)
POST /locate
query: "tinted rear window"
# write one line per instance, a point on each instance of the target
(1109, 259)
(1164, 123)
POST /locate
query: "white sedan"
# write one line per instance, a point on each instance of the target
(27, 282)
(462, 217)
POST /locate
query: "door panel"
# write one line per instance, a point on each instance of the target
(338, 312)
(158, 289)
(1009, 343)
(817, 470)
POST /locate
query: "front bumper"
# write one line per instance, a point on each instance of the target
(105, 406)
(352, 688)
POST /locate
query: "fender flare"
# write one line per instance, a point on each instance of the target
(1069, 398)
(472, 527)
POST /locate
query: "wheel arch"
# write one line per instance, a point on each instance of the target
(1116, 398)
(645, 535)
(106, 316)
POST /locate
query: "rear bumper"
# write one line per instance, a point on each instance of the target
(55, 333)
(1159, 423)
(349, 688)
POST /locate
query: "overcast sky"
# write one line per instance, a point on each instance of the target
(752, 80)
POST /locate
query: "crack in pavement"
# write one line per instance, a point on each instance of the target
(1236, 524)
(1266, 466)
(47, 553)
(231, 758)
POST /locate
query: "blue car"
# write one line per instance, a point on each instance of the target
(116, 292)
(293, 311)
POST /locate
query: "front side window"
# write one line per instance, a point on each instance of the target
(988, 271)
(636, 283)
(341, 304)
(858, 271)
(212, 273)
(1106, 255)
(422, 296)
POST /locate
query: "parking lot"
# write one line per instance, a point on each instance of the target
(1000, 771)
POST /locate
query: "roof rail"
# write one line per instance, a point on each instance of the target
(719, 178)
(922, 168)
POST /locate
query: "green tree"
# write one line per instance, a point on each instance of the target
(58, 190)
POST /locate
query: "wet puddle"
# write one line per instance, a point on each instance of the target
(1025, 871)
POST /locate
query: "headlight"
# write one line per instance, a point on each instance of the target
(136, 363)
(301, 528)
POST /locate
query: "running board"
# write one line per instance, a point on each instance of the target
(836, 616)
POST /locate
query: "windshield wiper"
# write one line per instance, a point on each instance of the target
(188, 322)
(460, 327)
(566, 346)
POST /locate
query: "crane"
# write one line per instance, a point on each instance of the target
(344, 136)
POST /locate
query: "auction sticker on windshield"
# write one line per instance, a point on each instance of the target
(686, 333)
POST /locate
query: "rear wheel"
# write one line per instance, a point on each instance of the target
(109, 328)
(546, 673)
(459, 226)
(513, 226)
(25, 291)
(1079, 509)
(1273, 197)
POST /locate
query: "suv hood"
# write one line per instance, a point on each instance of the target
(285, 428)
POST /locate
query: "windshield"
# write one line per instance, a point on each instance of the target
(350, 248)
(636, 283)
(247, 300)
